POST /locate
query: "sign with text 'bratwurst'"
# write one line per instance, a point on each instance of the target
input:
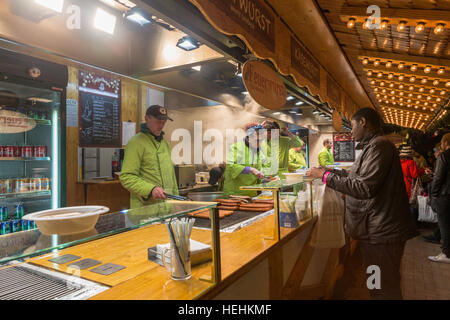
(264, 85)
(253, 16)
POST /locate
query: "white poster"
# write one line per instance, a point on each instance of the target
(71, 113)
(128, 131)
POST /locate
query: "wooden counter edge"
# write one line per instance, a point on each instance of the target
(233, 277)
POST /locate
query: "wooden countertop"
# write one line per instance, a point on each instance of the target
(144, 279)
(99, 181)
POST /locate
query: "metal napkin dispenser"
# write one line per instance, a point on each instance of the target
(185, 175)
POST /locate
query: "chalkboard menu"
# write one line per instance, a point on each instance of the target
(99, 111)
(343, 147)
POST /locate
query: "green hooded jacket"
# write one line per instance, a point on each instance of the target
(239, 157)
(296, 160)
(147, 164)
(285, 144)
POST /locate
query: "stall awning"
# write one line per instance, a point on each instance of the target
(268, 37)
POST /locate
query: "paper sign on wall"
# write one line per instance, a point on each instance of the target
(128, 131)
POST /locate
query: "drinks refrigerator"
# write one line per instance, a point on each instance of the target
(32, 138)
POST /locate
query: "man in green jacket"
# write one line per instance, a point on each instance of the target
(147, 170)
(296, 159)
(325, 156)
(287, 140)
(243, 166)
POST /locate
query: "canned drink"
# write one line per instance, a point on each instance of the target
(37, 184)
(40, 151)
(18, 211)
(31, 225)
(16, 151)
(5, 228)
(3, 213)
(8, 186)
(23, 185)
(15, 225)
(45, 184)
(8, 151)
(26, 151)
(23, 225)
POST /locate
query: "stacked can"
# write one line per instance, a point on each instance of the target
(18, 211)
(5, 227)
(3, 213)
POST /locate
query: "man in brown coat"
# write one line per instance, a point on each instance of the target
(377, 210)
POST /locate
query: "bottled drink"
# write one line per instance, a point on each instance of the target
(115, 163)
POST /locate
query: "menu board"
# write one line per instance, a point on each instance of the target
(99, 113)
(343, 147)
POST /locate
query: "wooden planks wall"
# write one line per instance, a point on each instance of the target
(130, 112)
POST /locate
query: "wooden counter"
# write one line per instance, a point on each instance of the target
(108, 193)
(143, 279)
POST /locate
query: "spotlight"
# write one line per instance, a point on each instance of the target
(188, 43)
(55, 5)
(138, 16)
(104, 21)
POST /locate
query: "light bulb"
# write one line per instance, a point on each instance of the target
(376, 63)
(369, 73)
(439, 28)
(414, 67)
(447, 84)
(401, 26)
(423, 81)
(365, 61)
(441, 71)
(401, 66)
(380, 74)
(351, 23)
(432, 91)
(401, 87)
(382, 83)
(390, 76)
(366, 24)
(436, 82)
(421, 89)
(427, 69)
(442, 92)
(411, 88)
(384, 24)
(420, 27)
(401, 77)
(412, 79)
(388, 64)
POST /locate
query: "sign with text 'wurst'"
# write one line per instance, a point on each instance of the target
(264, 85)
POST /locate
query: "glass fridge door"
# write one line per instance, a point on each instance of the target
(30, 134)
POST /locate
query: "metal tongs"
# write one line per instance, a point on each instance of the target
(174, 197)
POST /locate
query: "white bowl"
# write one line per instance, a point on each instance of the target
(65, 221)
(294, 177)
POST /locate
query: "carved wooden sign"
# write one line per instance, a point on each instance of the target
(337, 121)
(264, 85)
(304, 63)
(333, 92)
(252, 18)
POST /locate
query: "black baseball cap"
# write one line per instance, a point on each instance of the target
(214, 175)
(158, 112)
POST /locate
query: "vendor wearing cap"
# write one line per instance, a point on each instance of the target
(287, 140)
(244, 163)
(147, 170)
